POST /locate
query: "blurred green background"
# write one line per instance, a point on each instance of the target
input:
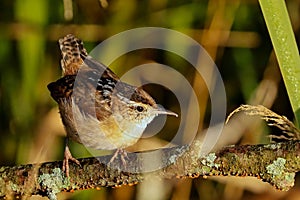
(233, 33)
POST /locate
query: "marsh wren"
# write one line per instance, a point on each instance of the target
(97, 109)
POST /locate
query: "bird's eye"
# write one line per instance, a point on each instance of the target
(140, 108)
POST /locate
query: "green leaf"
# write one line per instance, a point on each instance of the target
(283, 39)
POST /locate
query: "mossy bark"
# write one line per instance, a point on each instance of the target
(273, 163)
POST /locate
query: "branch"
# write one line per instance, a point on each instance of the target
(273, 163)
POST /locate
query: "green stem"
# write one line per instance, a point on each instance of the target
(282, 36)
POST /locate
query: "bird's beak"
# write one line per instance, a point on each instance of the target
(161, 111)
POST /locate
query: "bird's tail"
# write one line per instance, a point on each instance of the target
(72, 51)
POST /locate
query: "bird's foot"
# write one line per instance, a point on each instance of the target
(123, 156)
(68, 156)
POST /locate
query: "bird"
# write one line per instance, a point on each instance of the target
(96, 108)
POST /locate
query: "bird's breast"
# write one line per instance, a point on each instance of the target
(107, 134)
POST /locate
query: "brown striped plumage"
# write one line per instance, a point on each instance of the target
(97, 109)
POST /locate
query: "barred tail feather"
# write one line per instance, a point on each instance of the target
(71, 49)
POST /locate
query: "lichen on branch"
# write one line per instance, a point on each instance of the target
(274, 163)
